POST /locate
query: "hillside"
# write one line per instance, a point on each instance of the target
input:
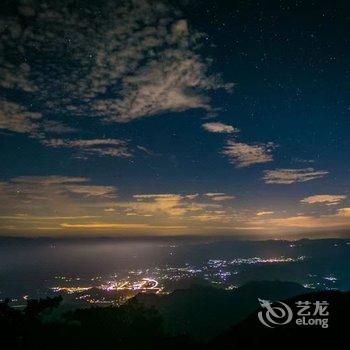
(250, 334)
(204, 312)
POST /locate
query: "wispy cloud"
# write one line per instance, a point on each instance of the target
(103, 147)
(53, 196)
(168, 76)
(290, 176)
(300, 160)
(55, 127)
(304, 221)
(101, 225)
(324, 199)
(168, 203)
(244, 155)
(261, 213)
(136, 59)
(147, 151)
(55, 185)
(16, 76)
(217, 127)
(74, 202)
(46, 218)
(344, 212)
(219, 197)
(17, 118)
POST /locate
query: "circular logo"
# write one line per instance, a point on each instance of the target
(272, 315)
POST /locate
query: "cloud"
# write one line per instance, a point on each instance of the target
(300, 160)
(109, 210)
(135, 59)
(48, 180)
(101, 225)
(55, 127)
(170, 196)
(344, 212)
(53, 196)
(40, 218)
(244, 155)
(219, 197)
(73, 202)
(56, 185)
(92, 191)
(166, 85)
(102, 147)
(324, 199)
(290, 176)
(170, 204)
(304, 221)
(212, 216)
(16, 77)
(221, 128)
(17, 118)
(147, 151)
(261, 213)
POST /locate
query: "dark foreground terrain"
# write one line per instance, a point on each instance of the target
(198, 318)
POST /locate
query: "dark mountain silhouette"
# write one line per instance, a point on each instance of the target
(135, 326)
(203, 312)
(128, 327)
(252, 334)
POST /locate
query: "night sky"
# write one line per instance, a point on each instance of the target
(168, 118)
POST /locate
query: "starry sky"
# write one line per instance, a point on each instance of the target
(129, 118)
